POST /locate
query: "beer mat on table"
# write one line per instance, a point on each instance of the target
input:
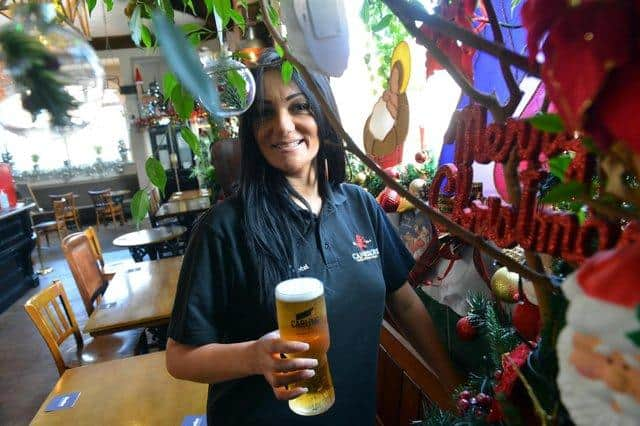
(61, 402)
(197, 420)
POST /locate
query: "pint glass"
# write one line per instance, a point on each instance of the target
(302, 316)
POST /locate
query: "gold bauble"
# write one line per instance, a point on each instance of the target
(504, 284)
(416, 187)
(361, 178)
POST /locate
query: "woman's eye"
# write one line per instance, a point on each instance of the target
(300, 107)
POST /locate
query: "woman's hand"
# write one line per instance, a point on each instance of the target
(281, 372)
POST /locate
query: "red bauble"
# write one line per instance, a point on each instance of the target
(389, 200)
(526, 319)
(465, 330)
(393, 172)
(421, 157)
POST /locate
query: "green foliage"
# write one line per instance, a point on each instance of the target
(139, 205)
(91, 4)
(387, 32)
(239, 86)
(182, 101)
(634, 336)
(184, 62)
(135, 25)
(192, 140)
(156, 173)
(146, 36)
(551, 123)
(559, 165)
(566, 192)
(286, 71)
(169, 82)
(38, 73)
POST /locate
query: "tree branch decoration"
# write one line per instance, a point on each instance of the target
(36, 75)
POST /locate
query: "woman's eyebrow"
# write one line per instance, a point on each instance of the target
(293, 95)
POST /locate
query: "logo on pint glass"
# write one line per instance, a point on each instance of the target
(305, 320)
(304, 314)
(362, 255)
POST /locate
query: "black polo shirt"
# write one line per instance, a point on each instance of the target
(350, 246)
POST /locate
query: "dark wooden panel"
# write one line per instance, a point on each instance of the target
(404, 381)
(389, 389)
(16, 243)
(410, 402)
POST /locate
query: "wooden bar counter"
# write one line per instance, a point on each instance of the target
(16, 243)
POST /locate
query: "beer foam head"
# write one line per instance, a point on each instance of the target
(299, 290)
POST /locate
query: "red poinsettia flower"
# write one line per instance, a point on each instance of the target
(462, 13)
(587, 45)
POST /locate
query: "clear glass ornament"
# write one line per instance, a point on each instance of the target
(235, 83)
(74, 62)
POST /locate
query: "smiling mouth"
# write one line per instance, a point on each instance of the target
(288, 146)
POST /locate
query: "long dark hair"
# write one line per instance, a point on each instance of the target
(271, 222)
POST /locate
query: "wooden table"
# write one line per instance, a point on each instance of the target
(147, 241)
(190, 194)
(141, 296)
(118, 196)
(129, 391)
(183, 208)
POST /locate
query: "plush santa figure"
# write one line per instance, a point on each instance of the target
(599, 362)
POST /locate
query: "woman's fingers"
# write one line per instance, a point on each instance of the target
(284, 379)
(287, 394)
(287, 346)
(294, 364)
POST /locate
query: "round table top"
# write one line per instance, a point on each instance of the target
(45, 225)
(120, 192)
(149, 236)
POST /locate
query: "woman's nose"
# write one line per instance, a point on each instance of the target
(285, 123)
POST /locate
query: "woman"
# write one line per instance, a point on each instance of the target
(292, 217)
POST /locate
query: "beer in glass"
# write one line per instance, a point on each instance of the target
(302, 316)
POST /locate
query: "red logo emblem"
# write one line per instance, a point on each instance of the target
(360, 242)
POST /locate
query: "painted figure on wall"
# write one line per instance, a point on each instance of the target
(388, 124)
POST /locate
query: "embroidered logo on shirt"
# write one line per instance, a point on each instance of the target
(303, 268)
(363, 255)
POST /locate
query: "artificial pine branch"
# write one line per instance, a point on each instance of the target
(37, 74)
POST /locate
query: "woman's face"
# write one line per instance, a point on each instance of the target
(287, 134)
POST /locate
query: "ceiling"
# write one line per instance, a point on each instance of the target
(115, 23)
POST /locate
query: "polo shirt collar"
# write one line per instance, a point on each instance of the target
(334, 194)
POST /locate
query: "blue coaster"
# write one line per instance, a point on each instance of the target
(61, 402)
(200, 420)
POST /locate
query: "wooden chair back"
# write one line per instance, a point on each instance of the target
(52, 315)
(67, 197)
(105, 207)
(84, 267)
(404, 382)
(96, 249)
(101, 198)
(59, 207)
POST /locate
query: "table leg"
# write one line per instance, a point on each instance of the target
(137, 253)
(152, 250)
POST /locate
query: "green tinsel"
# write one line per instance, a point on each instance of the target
(37, 74)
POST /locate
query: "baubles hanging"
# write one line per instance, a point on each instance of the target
(68, 58)
(235, 83)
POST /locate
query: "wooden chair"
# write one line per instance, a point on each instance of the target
(59, 207)
(69, 212)
(52, 315)
(107, 270)
(105, 207)
(89, 278)
(154, 205)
